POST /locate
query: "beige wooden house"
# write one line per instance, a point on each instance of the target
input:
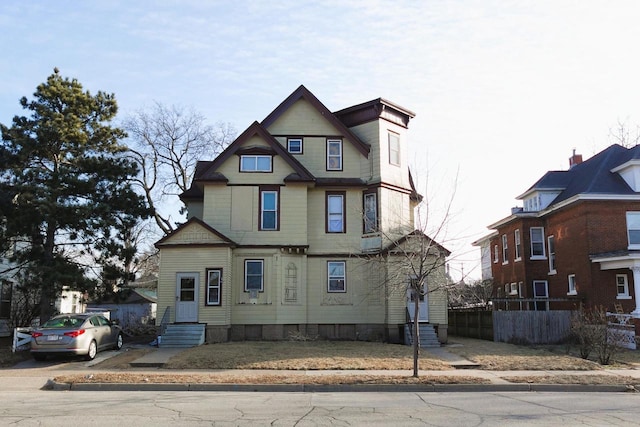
(299, 227)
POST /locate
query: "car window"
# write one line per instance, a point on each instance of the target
(95, 321)
(103, 321)
(63, 322)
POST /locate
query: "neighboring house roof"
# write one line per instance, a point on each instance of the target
(416, 233)
(303, 93)
(593, 176)
(136, 296)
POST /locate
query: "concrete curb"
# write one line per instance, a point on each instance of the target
(337, 388)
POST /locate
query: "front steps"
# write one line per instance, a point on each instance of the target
(182, 335)
(428, 336)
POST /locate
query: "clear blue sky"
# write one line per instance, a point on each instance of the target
(503, 90)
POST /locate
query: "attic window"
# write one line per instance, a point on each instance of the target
(255, 163)
(294, 145)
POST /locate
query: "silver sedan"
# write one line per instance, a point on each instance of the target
(75, 334)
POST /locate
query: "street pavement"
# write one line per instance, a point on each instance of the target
(31, 375)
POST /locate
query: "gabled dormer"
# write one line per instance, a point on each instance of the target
(630, 172)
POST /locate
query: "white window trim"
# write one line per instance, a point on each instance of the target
(629, 216)
(505, 250)
(626, 294)
(338, 156)
(217, 286)
(370, 226)
(344, 277)
(397, 138)
(256, 157)
(263, 210)
(261, 261)
(518, 245)
(546, 288)
(571, 279)
(496, 256)
(289, 145)
(513, 288)
(552, 255)
(544, 251)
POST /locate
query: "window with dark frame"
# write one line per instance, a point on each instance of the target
(214, 286)
(335, 212)
(254, 275)
(334, 154)
(294, 145)
(269, 203)
(370, 213)
(255, 163)
(336, 276)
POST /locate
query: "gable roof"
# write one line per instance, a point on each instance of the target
(416, 233)
(165, 241)
(594, 176)
(303, 93)
(208, 170)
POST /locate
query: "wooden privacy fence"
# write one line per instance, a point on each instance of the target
(471, 323)
(531, 327)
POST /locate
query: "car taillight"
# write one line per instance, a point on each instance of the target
(36, 334)
(74, 334)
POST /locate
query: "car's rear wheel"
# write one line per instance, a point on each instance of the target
(119, 342)
(39, 357)
(93, 350)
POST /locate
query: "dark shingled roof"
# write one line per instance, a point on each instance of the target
(593, 176)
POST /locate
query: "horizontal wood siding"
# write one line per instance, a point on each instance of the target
(322, 242)
(187, 260)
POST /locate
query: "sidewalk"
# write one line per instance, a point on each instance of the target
(33, 379)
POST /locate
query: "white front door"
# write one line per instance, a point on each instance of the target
(423, 305)
(187, 297)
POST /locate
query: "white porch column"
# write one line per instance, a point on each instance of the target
(636, 290)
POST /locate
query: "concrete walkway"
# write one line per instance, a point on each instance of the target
(29, 376)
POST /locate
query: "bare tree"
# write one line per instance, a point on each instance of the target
(623, 135)
(413, 260)
(475, 294)
(166, 143)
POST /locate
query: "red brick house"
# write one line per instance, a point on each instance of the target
(576, 238)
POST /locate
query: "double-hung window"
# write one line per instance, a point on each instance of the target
(541, 291)
(336, 276)
(269, 209)
(552, 254)
(334, 154)
(505, 250)
(336, 212)
(253, 275)
(255, 163)
(633, 229)
(537, 242)
(572, 285)
(214, 286)
(370, 213)
(622, 284)
(518, 244)
(394, 149)
(495, 254)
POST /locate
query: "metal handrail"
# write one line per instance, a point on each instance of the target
(165, 320)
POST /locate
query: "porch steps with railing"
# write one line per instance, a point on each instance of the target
(428, 336)
(182, 335)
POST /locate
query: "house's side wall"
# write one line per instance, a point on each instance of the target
(186, 259)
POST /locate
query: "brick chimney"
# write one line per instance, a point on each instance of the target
(575, 159)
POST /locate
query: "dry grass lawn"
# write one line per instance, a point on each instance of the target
(304, 355)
